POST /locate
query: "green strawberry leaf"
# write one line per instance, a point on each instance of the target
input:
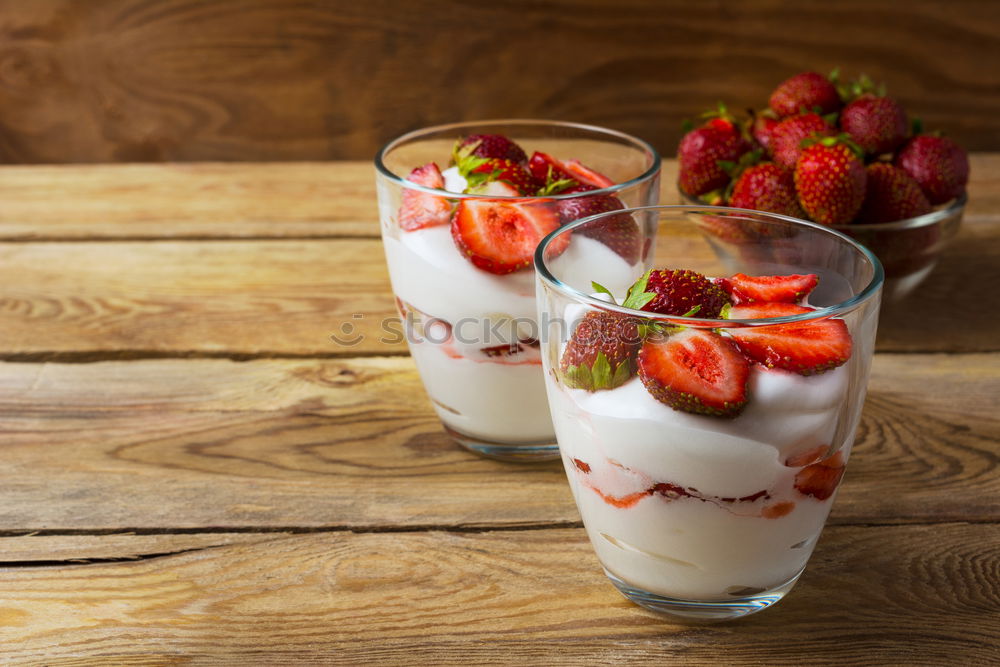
(555, 187)
(601, 289)
(579, 377)
(637, 296)
(601, 372)
(692, 312)
(622, 374)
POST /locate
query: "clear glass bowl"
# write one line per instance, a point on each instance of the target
(908, 249)
(473, 334)
(693, 515)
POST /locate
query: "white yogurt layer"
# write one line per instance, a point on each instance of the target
(502, 397)
(707, 546)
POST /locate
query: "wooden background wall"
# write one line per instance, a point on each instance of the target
(153, 80)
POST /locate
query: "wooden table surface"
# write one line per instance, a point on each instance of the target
(193, 471)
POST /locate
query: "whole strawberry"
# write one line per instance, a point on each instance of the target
(877, 124)
(601, 352)
(493, 146)
(702, 149)
(890, 194)
(830, 179)
(807, 91)
(618, 232)
(937, 164)
(787, 136)
(679, 291)
(766, 187)
(762, 128)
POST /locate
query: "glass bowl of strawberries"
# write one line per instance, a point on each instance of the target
(841, 154)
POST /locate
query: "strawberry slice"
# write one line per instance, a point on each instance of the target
(820, 480)
(806, 348)
(500, 236)
(743, 289)
(548, 169)
(420, 209)
(695, 370)
(586, 175)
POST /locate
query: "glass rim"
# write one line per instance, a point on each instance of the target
(933, 217)
(650, 173)
(871, 289)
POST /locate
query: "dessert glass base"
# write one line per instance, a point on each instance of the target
(702, 611)
(519, 452)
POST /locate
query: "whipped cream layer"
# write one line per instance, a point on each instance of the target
(693, 506)
(497, 395)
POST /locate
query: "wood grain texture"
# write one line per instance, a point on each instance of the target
(33, 550)
(132, 80)
(276, 200)
(914, 595)
(341, 444)
(100, 300)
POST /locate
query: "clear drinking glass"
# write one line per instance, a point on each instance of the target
(472, 333)
(692, 515)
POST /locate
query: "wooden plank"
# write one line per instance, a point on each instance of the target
(354, 444)
(33, 549)
(188, 201)
(914, 595)
(272, 200)
(168, 298)
(126, 80)
(114, 299)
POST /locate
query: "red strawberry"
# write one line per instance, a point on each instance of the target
(806, 348)
(877, 124)
(744, 289)
(695, 370)
(937, 164)
(420, 209)
(678, 291)
(601, 352)
(762, 128)
(619, 232)
(830, 179)
(548, 170)
(493, 146)
(787, 136)
(805, 92)
(890, 194)
(702, 149)
(766, 187)
(500, 236)
(820, 480)
(507, 171)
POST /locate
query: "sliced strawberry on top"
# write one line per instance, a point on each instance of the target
(695, 370)
(493, 145)
(420, 209)
(586, 175)
(548, 169)
(500, 236)
(807, 348)
(744, 289)
(821, 479)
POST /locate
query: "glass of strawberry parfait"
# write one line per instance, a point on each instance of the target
(706, 412)
(462, 208)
